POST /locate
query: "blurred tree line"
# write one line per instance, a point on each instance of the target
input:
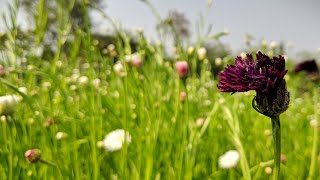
(59, 19)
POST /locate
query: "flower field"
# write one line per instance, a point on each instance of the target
(87, 109)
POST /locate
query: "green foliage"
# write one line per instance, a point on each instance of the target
(171, 139)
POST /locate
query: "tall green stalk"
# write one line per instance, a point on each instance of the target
(313, 164)
(276, 132)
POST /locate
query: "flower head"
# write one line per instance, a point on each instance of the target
(229, 159)
(310, 67)
(182, 68)
(61, 135)
(8, 104)
(202, 53)
(190, 50)
(83, 80)
(137, 62)
(183, 96)
(119, 69)
(32, 155)
(115, 140)
(265, 76)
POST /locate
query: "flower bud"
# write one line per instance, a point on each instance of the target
(218, 61)
(32, 155)
(96, 83)
(182, 68)
(273, 44)
(190, 50)
(137, 62)
(283, 158)
(274, 102)
(83, 80)
(61, 135)
(183, 96)
(119, 69)
(268, 170)
(202, 53)
(8, 104)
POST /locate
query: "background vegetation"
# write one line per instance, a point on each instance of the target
(171, 138)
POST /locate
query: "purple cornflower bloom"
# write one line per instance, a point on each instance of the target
(265, 76)
(310, 66)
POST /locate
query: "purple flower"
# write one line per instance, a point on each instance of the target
(265, 76)
(310, 66)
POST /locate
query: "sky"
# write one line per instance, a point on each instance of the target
(293, 21)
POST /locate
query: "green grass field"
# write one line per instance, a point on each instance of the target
(76, 97)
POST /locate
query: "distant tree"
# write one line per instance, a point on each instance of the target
(175, 24)
(71, 8)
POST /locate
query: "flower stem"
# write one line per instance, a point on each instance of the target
(276, 132)
(47, 162)
(313, 164)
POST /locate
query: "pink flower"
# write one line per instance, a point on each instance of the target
(137, 62)
(32, 155)
(183, 96)
(182, 68)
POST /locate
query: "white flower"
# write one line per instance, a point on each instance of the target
(243, 55)
(218, 61)
(59, 64)
(119, 69)
(83, 80)
(8, 104)
(128, 58)
(115, 139)
(96, 83)
(202, 53)
(111, 47)
(46, 85)
(313, 123)
(268, 170)
(273, 44)
(23, 90)
(229, 159)
(140, 30)
(61, 135)
(85, 66)
(190, 50)
(264, 43)
(37, 51)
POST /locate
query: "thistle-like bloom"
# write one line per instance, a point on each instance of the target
(310, 67)
(265, 76)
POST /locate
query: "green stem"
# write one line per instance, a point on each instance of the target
(47, 162)
(314, 154)
(313, 164)
(276, 132)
